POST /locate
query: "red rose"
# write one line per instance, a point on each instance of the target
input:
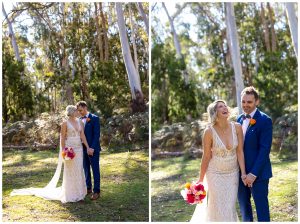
(199, 187)
(190, 198)
(202, 196)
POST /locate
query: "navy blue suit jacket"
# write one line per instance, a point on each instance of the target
(257, 146)
(92, 132)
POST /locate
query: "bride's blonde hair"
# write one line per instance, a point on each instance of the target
(70, 110)
(212, 111)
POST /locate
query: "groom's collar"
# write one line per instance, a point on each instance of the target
(253, 112)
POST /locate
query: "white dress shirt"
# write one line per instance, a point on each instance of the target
(84, 119)
(247, 121)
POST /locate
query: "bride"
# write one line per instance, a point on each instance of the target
(223, 156)
(73, 185)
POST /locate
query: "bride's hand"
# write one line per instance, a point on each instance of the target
(199, 181)
(244, 177)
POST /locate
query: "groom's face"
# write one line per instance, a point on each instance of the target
(249, 103)
(82, 110)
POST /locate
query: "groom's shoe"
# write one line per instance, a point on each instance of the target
(89, 191)
(95, 196)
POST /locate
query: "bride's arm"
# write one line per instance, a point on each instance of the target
(82, 136)
(63, 134)
(240, 150)
(207, 144)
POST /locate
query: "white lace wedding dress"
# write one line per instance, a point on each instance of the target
(73, 185)
(222, 178)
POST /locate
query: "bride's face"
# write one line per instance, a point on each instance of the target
(75, 114)
(222, 110)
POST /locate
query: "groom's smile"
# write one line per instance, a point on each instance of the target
(249, 103)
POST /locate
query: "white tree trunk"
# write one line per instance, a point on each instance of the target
(175, 37)
(293, 23)
(133, 76)
(133, 30)
(109, 14)
(144, 16)
(176, 44)
(12, 35)
(233, 43)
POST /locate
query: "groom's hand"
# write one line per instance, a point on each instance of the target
(90, 151)
(250, 179)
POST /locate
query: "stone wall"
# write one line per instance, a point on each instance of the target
(117, 131)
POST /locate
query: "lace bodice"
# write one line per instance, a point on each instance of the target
(219, 149)
(73, 135)
(223, 159)
(71, 131)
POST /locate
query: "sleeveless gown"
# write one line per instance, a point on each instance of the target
(73, 185)
(222, 177)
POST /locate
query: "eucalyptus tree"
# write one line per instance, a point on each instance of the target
(12, 35)
(293, 23)
(234, 47)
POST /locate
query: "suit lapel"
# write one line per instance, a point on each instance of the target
(90, 115)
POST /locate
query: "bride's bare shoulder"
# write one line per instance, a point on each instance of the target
(237, 125)
(207, 131)
(63, 123)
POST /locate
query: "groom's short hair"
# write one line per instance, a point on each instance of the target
(81, 104)
(250, 90)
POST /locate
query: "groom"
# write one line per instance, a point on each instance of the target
(257, 129)
(91, 155)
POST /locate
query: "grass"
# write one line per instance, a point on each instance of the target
(169, 176)
(124, 189)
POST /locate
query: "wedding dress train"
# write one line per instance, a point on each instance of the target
(73, 185)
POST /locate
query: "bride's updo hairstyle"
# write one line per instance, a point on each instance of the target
(212, 111)
(70, 110)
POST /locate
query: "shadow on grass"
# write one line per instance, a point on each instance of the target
(122, 200)
(26, 159)
(168, 206)
(172, 196)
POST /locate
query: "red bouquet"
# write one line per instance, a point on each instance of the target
(193, 193)
(68, 153)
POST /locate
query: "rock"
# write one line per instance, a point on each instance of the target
(285, 133)
(120, 129)
(178, 137)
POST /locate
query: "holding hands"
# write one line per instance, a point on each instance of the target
(90, 151)
(248, 179)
